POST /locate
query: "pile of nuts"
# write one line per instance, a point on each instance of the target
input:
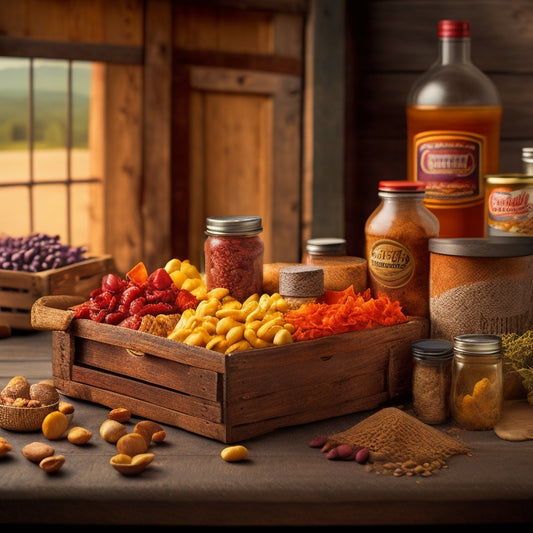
(19, 393)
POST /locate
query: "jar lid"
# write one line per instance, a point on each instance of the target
(483, 246)
(233, 225)
(326, 246)
(478, 344)
(432, 350)
(401, 186)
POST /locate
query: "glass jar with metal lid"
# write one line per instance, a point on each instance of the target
(234, 255)
(476, 396)
(432, 377)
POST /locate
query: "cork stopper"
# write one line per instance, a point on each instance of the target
(301, 281)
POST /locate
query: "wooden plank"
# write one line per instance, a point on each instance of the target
(157, 200)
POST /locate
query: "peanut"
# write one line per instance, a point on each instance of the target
(132, 444)
(318, 442)
(362, 455)
(66, 408)
(234, 453)
(54, 425)
(37, 451)
(112, 430)
(344, 452)
(79, 435)
(120, 414)
(129, 466)
(5, 447)
(151, 431)
(52, 464)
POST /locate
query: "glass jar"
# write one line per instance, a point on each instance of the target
(476, 397)
(234, 255)
(340, 270)
(432, 378)
(396, 246)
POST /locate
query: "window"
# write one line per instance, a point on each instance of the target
(45, 176)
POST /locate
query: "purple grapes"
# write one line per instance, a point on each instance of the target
(37, 252)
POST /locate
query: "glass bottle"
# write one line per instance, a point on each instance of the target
(432, 378)
(453, 134)
(340, 270)
(397, 237)
(234, 255)
(527, 160)
(476, 397)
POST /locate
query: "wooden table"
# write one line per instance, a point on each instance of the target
(283, 481)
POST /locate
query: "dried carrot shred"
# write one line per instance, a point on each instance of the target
(343, 311)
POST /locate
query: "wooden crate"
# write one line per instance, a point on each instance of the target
(19, 290)
(236, 396)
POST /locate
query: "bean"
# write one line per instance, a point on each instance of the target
(37, 451)
(318, 442)
(52, 464)
(54, 425)
(234, 453)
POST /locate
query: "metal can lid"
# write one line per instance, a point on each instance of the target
(478, 344)
(326, 246)
(436, 350)
(454, 28)
(234, 225)
(482, 246)
(509, 179)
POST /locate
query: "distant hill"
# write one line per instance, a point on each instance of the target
(50, 86)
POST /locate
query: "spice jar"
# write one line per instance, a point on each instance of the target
(477, 383)
(396, 246)
(432, 378)
(234, 255)
(340, 270)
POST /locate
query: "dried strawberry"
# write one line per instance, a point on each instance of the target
(160, 279)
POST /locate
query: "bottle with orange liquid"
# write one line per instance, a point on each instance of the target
(453, 134)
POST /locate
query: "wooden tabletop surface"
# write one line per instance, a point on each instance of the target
(282, 482)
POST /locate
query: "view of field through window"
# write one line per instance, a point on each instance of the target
(44, 148)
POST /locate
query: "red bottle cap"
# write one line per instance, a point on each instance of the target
(454, 28)
(401, 186)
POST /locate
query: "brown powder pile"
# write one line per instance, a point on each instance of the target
(400, 443)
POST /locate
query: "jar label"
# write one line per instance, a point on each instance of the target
(391, 263)
(449, 163)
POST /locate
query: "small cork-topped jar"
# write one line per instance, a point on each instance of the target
(340, 270)
(301, 284)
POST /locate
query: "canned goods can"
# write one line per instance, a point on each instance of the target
(509, 205)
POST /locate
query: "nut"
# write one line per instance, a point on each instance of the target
(5, 447)
(52, 464)
(344, 452)
(132, 444)
(37, 451)
(17, 387)
(131, 465)
(151, 431)
(361, 456)
(44, 392)
(54, 425)
(234, 453)
(111, 430)
(66, 408)
(79, 435)
(120, 414)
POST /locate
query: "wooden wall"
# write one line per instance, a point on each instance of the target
(390, 43)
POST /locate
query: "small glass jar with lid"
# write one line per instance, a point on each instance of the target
(476, 396)
(432, 378)
(234, 255)
(397, 237)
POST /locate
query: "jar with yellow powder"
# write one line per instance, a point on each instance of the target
(476, 397)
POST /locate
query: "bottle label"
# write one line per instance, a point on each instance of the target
(391, 263)
(449, 163)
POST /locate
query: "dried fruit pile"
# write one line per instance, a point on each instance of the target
(124, 302)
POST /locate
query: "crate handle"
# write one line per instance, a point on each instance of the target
(53, 312)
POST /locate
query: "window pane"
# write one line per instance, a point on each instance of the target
(50, 210)
(15, 211)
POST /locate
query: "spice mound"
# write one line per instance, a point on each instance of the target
(401, 444)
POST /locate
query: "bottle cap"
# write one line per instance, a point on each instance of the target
(454, 28)
(326, 246)
(233, 225)
(401, 186)
(432, 350)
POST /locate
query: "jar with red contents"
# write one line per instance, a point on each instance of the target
(234, 255)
